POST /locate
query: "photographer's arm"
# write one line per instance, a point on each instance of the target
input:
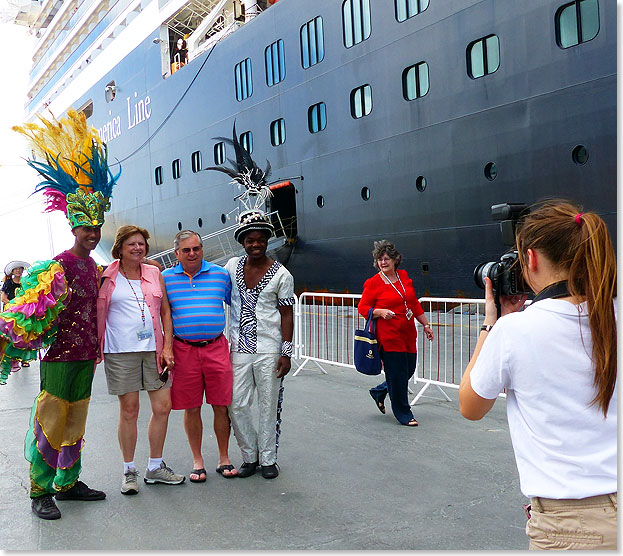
(473, 406)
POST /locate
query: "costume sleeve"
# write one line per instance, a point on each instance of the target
(490, 374)
(368, 298)
(228, 289)
(285, 290)
(28, 322)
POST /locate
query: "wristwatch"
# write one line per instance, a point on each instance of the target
(486, 327)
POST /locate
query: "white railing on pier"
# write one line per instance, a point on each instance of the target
(325, 324)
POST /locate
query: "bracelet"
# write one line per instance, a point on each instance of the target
(486, 327)
(286, 349)
(427, 325)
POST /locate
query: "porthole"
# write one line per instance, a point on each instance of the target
(320, 201)
(420, 183)
(425, 268)
(580, 155)
(179, 226)
(223, 218)
(365, 193)
(200, 222)
(491, 171)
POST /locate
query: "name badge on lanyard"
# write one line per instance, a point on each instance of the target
(144, 334)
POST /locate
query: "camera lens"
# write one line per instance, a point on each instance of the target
(483, 271)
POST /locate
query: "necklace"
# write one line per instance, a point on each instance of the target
(408, 312)
(141, 307)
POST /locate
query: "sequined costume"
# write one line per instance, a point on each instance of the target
(62, 313)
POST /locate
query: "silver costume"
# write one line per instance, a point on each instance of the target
(255, 339)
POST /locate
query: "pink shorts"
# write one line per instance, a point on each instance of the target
(201, 369)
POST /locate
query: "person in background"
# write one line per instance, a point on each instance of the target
(12, 278)
(179, 55)
(135, 335)
(557, 360)
(197, 290)
(261, 328)
(391, 295)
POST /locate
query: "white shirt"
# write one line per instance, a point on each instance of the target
(563, 446)
(255, 324)
(124, 319)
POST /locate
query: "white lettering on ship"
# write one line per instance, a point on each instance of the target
(138, 111)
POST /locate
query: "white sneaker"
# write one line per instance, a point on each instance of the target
(163, 475)
(129, 484)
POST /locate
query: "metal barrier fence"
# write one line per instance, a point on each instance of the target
(325, 325)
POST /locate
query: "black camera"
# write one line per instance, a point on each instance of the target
(505, 274)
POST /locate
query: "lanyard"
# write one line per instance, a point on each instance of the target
(408, 311)
(142, 308)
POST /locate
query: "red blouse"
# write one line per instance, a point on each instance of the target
(397, 333)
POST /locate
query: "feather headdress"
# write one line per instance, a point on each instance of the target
(248, 175)
(77, 179)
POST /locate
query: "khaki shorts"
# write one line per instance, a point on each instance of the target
(131, 372)
(584, 524)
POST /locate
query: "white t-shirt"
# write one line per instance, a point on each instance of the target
(124, 319)
(255, 325)
(563, 445)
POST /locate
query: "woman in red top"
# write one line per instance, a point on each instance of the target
(391, 295)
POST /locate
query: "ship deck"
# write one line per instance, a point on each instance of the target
(351, 478)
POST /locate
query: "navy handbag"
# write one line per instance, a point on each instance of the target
(367, 357)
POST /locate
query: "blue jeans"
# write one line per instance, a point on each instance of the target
(399, 367)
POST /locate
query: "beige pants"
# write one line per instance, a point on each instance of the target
(584, 524)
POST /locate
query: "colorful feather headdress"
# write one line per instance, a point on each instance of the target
(77, 179)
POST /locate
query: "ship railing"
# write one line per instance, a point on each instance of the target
(220, 246)
(325, 325)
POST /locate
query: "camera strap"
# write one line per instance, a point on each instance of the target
(553, 291)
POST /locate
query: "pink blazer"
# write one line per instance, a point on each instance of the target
(150, 285)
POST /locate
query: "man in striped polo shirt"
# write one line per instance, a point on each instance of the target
(196, 290)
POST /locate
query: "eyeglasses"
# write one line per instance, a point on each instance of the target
(195, 249)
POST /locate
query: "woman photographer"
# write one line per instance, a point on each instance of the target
(557, 361)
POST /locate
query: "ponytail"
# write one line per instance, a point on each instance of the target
(579, 244)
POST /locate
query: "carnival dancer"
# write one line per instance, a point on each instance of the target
(262, 322)
(77, 181)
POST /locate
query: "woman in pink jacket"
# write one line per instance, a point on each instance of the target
(135, 335)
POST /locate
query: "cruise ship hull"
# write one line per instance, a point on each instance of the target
(360, 176)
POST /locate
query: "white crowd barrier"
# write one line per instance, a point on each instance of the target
(325, 325)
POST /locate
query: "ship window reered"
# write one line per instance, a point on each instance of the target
(355, 21)
(491, 171)
(195, 161)
(580, 155)
(408, 8)
(483, 56)
(219, 153)
(415, 82)
(312, 43)
(275, 59)
(317, 117)
(176, 169)
(244, 79)
(246, 140)
(577, 22)
(277, 132)
(158, 175)
(361, 101)
(420, 183)
(320, 201)
(365, 193)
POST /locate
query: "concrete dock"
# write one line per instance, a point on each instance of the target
(351, 478)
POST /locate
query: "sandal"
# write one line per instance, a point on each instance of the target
(229, 468)
(198, 472)
(411, 423)
(380, 405)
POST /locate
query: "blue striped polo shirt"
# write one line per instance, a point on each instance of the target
(197, 303)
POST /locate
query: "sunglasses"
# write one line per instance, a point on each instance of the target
(164, 375)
